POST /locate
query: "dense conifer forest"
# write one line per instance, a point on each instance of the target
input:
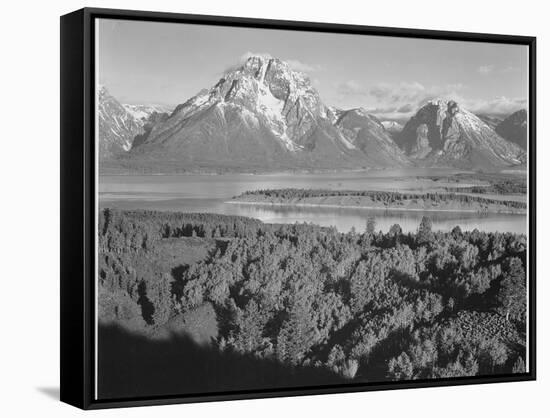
(363, 305)
(386, 199)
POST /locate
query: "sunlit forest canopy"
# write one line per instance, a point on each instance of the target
(366, 305)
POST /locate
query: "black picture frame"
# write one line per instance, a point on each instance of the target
(78, 204)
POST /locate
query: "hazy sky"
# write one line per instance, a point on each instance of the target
(149, 62)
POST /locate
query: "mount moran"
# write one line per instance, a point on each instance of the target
(265, 116)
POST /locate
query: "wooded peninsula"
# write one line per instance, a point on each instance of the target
(433, 201)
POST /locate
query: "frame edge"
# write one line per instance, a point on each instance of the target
(76, 382)
(73, 297)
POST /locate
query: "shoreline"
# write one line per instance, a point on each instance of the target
(288, 172)
(327, 205)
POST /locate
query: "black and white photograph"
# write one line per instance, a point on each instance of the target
(285, 209)
(246, 209)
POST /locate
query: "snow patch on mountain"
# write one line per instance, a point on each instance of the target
(142, 112)
(392, 126)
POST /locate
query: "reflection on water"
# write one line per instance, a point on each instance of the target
(204, 193)
(228, 185)
(342, 218)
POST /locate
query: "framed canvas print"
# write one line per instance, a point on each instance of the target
(258, 208)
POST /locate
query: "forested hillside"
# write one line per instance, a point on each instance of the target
(363, 305)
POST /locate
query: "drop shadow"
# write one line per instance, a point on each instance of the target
(51, 392)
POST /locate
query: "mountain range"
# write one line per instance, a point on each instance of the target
(263, 115)
(514, 128)
(433, 137)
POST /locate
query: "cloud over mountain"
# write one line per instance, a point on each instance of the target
(399, 101)
(502, 106)
(294, 64)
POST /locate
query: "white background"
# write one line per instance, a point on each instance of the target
(29, 237)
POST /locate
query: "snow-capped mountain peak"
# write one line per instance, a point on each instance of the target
(444, 133)
(267, 89)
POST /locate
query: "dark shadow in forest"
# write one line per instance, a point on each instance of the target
(147, 308)
(377, 368)
(132, 365)
(178, 284)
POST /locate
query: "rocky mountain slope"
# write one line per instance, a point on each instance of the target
(117, 126)
(369, 135)
(264, 115)
(492, 121)
(514, 128)
(433, 137)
